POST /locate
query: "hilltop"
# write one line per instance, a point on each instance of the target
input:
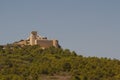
(34, 63)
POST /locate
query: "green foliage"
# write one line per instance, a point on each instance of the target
(30, 62)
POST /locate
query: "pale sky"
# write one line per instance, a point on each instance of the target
(89, 27)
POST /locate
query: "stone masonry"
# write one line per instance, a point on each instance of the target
(35, 39)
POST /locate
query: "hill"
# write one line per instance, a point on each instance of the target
(34, 63)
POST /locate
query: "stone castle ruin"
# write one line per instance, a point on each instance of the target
(35, 39)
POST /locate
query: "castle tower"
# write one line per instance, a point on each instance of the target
(33, 37)
(55, 43)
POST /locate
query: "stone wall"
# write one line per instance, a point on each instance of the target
(44, 43)
(34, 39)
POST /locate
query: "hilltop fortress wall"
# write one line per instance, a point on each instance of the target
(35, 39)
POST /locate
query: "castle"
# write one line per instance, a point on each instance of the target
(35, 39)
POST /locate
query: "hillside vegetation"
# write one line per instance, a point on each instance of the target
(34, 63)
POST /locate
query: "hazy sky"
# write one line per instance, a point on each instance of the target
(89, 27)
